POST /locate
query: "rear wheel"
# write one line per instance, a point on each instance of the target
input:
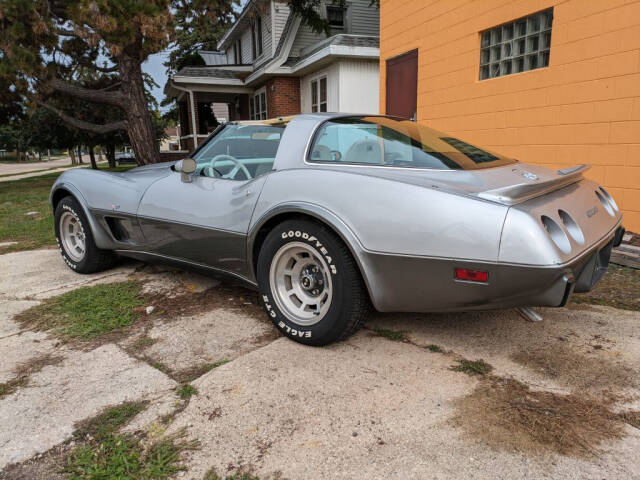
(75, 239)
(310, 284)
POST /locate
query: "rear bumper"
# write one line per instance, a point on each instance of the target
(421, 284)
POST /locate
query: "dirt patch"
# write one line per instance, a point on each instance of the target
(229, 297)
(619, 288)
(506, 414)
(595, 371)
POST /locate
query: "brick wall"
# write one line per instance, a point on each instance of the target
(283, 96)
(173, 155)
(583, 108)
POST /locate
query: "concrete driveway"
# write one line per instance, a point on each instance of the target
(393, 401)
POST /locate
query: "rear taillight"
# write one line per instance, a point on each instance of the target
(471, 275)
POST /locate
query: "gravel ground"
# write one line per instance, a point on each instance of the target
(554, 405)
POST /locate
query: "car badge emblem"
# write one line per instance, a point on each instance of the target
(592, 211)
(530, 176)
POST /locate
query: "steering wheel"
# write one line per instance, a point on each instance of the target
(211, 170)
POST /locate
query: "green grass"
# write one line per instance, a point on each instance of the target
(123, 457)
(109, 421)
(19, 197)
(434, 348)
(107, 454)
(393, 335)
(87, 312)
(186, 391)
(472, 367)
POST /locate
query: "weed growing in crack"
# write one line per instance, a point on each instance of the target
(109, 420)
(107, 454)
(186, 391)
(393, 335)
(11, 386)
(472, 367)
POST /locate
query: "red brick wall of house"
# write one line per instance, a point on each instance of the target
(283, 96)
(172, 156)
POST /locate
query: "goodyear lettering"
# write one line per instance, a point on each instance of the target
(315, 242)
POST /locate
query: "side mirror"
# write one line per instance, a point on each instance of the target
(186, 167)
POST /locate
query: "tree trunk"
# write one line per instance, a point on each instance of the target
(92, 157)
(100, 156)
(139, 126)
(80, 154)
(111, 156)
(49, 154)
(73, 156)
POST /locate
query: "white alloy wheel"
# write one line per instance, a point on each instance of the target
(301, 283)
(72, 236)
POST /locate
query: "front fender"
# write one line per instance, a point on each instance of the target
(100, 235)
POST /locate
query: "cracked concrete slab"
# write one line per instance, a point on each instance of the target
(207, 338)
(367, 408)
(41, 415)
(39, 274)
(322, 412)
(582, 337)
(18, 347)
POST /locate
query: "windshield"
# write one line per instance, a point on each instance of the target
(384, 141)
(239, 152)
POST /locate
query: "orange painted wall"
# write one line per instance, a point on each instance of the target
(583, 108)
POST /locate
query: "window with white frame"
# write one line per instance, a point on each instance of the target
(319, 94)
(237, 52)
(258, 106)
(517, 46)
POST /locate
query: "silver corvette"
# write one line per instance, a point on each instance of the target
(330, 214)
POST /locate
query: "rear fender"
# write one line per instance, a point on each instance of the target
(324, 216)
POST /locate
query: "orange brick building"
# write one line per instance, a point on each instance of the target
(552, 82)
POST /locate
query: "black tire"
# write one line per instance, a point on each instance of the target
(94, 259)
(349, 302)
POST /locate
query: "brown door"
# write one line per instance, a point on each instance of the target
(402, 85)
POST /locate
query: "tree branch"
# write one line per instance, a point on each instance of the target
(97, 96)
(82, 125)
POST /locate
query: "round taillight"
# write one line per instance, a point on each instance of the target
(609, 199)
(557, 234)
(572, 227)
(607, 206)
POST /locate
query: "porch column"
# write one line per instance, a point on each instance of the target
(194, 126)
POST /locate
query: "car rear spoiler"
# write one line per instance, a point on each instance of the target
(521, 192)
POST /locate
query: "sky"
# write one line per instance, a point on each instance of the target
(154, 67)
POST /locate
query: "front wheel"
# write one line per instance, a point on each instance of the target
(310, 284)
(75, 239)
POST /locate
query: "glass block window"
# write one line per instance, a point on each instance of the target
(517, 46)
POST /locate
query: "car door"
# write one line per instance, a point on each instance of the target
(205, 218)
(203, 221)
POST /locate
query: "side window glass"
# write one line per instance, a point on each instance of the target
(348, 143)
